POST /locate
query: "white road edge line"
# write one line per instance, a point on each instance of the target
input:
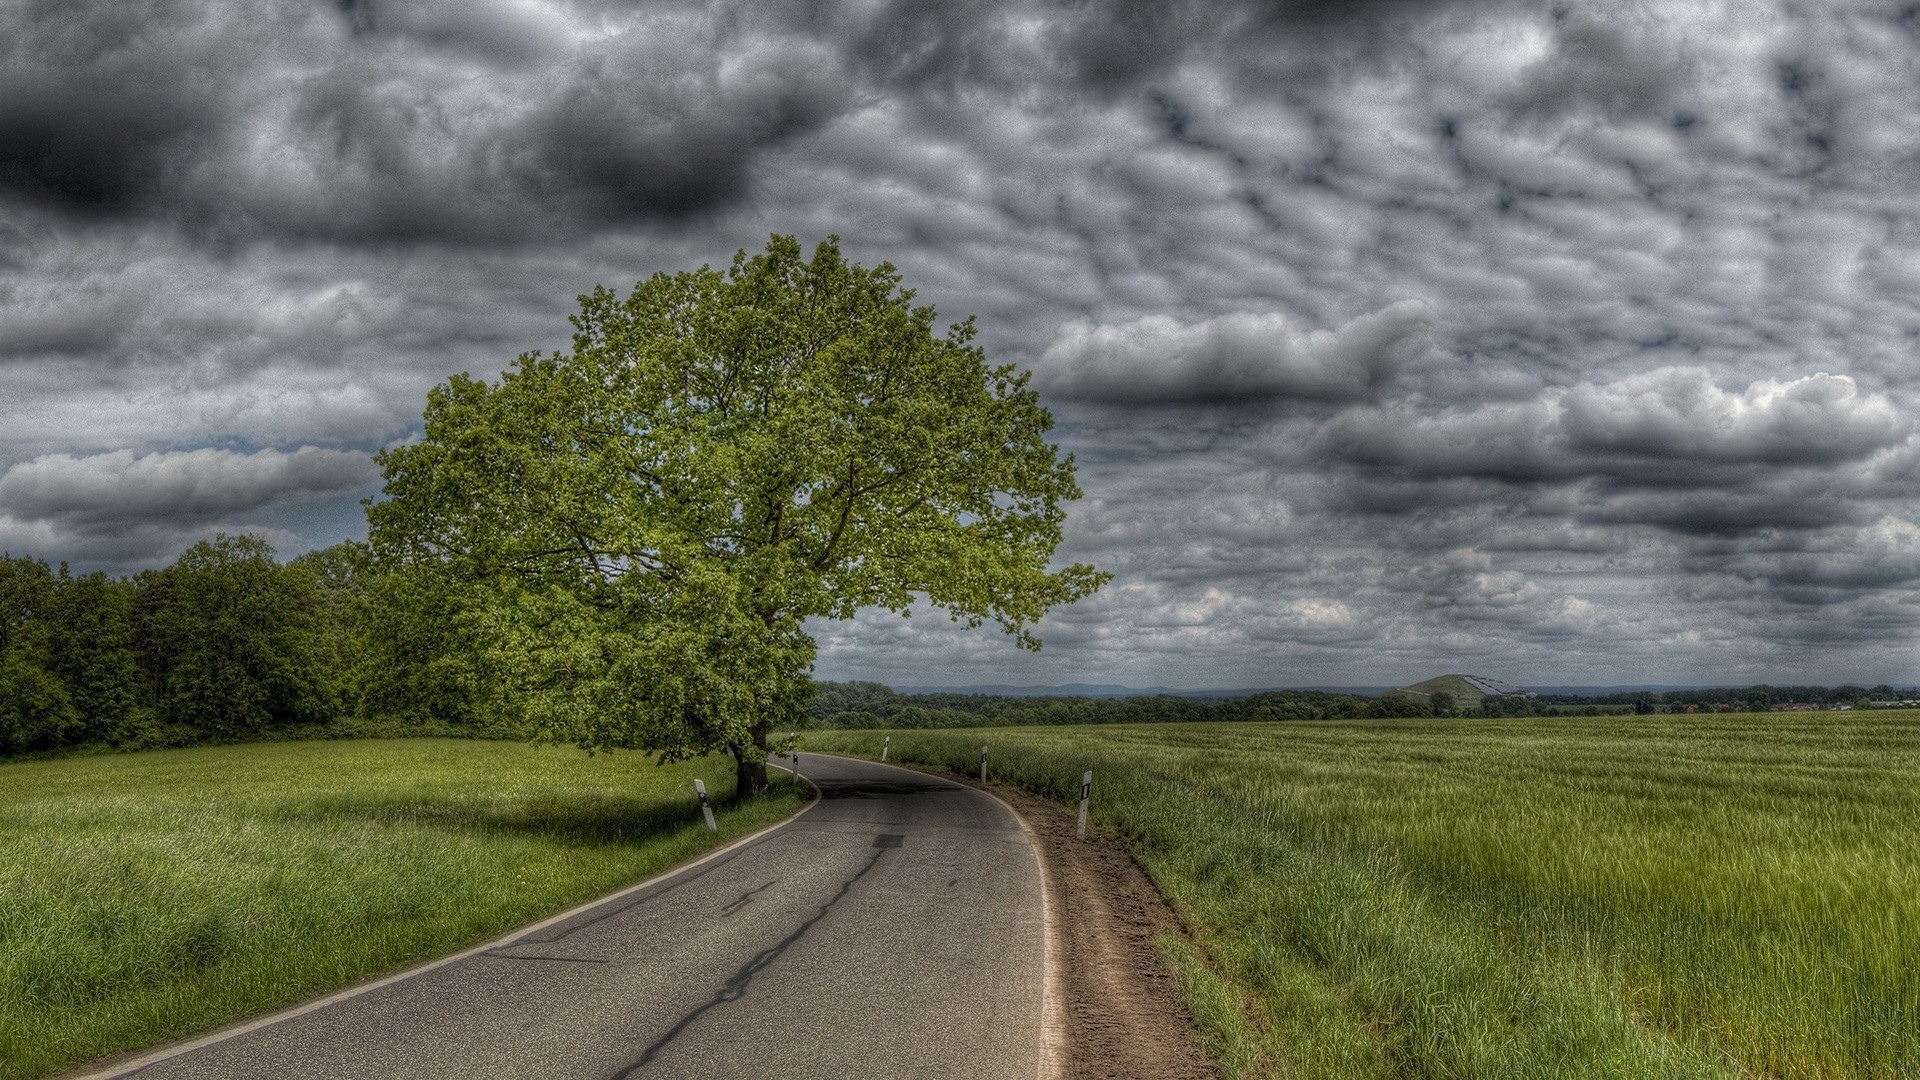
(1054, 1057)
(154, 1057)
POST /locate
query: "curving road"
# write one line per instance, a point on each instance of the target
(895, 928)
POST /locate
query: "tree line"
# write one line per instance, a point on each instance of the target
(227, 643)
(873, 705)
(1756, 698)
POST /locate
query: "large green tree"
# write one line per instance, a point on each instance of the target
(644, 524)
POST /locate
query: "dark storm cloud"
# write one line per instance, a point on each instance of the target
(394, 123)
(123, 511)
(1558, 342)
(39, 329)
(97, 147)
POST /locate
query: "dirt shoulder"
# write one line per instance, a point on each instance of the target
(1124, 1017)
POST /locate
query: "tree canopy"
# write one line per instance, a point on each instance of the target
(643, 524)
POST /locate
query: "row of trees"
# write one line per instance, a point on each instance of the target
(872, 705)
(226, 643)
(229, 643)
(1752, 698)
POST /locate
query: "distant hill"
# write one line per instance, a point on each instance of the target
(1462, 691)
(1465, 689)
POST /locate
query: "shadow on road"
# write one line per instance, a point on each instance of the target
(877, 789)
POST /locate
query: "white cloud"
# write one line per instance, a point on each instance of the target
(1240, 357)
(1680, 413)
(105, 492)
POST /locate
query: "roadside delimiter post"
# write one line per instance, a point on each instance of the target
(706, 810)
(1086, 789)
(983, 764)
(885, 742)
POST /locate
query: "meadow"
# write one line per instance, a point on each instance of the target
(147, 896)
(1698, 896)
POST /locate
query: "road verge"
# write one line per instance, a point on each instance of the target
(1116, 1011)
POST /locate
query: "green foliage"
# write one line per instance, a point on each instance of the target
(36, 712)
(26, 596)
(639, 528)
(1682, 897)
(91, 649)
(1396, 704)
(333, 582)
(417, 662)
(235, 637)
(230, 644)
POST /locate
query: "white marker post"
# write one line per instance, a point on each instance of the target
(885, 742)
(1086, 789)
(796, 764)
(706, 810)
(983, 764)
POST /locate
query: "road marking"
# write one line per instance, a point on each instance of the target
(1055, 1059)
(154, 1057)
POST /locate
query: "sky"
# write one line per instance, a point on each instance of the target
(1561, 344)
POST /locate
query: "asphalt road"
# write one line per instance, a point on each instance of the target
(894, 929)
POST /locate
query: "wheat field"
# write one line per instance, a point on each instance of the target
(1715, 895)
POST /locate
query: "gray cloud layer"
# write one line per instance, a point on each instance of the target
(1561, 344)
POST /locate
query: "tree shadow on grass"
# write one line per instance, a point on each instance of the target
(592, 820)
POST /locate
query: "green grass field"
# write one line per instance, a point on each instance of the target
(1714, 895)
(147, 896)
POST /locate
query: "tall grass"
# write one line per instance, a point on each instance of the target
(1663, 896)
(147, 896)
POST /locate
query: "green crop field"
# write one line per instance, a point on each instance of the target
(1713, 895)
(146, 896)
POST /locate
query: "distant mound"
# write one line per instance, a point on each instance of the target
(1466, 689)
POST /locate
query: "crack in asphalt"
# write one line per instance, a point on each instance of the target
(744, 897)
(736, 986)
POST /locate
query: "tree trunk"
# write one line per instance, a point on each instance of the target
(750, 764)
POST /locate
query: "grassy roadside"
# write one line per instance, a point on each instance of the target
(147, 896)
(1698, 896)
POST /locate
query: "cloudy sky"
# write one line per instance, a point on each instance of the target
(1556, 343)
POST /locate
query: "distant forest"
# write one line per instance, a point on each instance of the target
(230, 644)
(873, 705)
(226, 644)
